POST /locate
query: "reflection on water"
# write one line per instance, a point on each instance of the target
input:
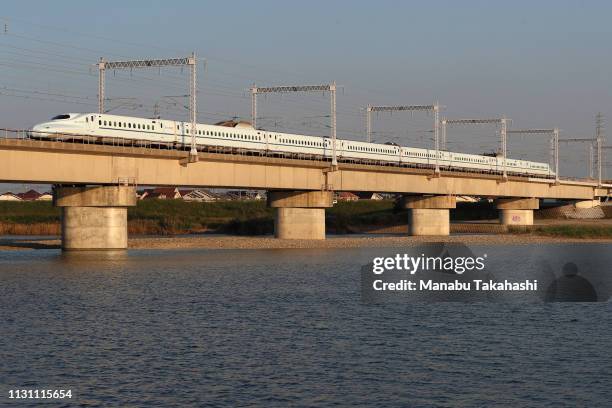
(287, 327)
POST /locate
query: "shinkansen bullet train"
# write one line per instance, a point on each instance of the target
(243, 137)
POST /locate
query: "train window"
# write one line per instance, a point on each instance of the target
(115, 124)
(104, 123)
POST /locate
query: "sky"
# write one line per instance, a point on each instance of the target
(542, 64)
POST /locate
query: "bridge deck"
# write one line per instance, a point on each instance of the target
(33, 161)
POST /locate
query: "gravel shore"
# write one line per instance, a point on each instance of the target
(268, 242)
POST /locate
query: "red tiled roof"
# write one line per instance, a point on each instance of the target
(29, 195)
(347, 194)
(167, 192)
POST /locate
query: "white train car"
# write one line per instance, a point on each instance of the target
(243, 137)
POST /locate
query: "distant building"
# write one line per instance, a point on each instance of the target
(161, 193)
(467, 199)
(33, 195)
(244, 195)
(8, 196)
(369, 196)
(258, 195)
(46, 196)
(199, 195)
(347, 196)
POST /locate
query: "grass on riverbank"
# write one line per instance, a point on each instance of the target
(566, 231)
(169, 217)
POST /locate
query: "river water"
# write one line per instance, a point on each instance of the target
(288, 328)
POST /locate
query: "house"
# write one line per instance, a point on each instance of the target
(467, 199)
(199, 195)
(242, 195)
(258, 195)
(31, 195)
(347, 196)
(8, 196)
(369, 196)
(46, 196)
(161, 193)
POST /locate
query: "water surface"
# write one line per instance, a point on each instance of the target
(286, 327)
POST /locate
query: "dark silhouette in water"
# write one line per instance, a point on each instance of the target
(570, 287)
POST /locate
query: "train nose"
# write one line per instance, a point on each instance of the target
(41, 129)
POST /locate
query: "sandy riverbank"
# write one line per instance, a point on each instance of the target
(268, 242)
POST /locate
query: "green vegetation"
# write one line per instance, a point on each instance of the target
(181, 217)
(166, 217)
(568, 231)
(349, 216)
(28, 212)
(177, 216)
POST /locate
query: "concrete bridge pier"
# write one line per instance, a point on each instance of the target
(94, 217)
(429, 215)
(587, 203)
(517, 211)
(300, 214)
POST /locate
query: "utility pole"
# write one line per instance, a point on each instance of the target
(554, 144)
(254, 106)
(368, 124)
(503, 131)
(591, 142)
(599, 135)
(504, 139)
(436, 111)
(591, 159)
(190, 61)
(556, 136)
(435, 108)
(443, 142)
(101, 77)
(302, 88)
(332, 89)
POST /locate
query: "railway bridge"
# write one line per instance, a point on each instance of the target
(94, 184)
